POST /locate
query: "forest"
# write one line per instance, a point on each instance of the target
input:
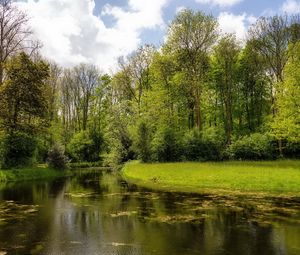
(200, 96)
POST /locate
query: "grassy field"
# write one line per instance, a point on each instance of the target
(26, 174)
(276, 177)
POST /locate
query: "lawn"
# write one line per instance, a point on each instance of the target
(30, 173)
(276, 177)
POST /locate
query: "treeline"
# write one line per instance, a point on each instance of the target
(207, 96)
(201, 96)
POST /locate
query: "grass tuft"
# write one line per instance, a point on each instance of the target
(32, 173)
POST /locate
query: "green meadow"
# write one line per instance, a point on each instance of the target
(267, 177)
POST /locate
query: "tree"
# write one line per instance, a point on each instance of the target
(56, 157)
(254, 89)
(87, 77)
(225, 64)
(15, 36)
(191, 36)
(80, 89)
(134, 76)
(23, 102)
(272, 37)
(287, 122)
(143, 142)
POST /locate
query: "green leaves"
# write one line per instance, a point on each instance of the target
(23, 104)
(286, 124)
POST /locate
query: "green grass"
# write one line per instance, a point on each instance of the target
(269, 177)
(27, 174)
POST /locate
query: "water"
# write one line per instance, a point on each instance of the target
(99, 213)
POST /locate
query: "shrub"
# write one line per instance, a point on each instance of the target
(167, 146)
(292, 150)
(85, 146)
(199, 148)
(253, 147)
(18, 149)
(43, 147)
(78, 147)
(56, 157)
(1, 148)
(96, 147)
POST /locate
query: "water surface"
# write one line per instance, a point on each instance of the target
(99, 213)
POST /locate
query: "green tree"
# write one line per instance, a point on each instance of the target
(286, 124)
(225, 65)
(254, 100)
(190, 37)
(143, 145)
(23, 102)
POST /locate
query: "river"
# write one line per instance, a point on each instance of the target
(99, 213)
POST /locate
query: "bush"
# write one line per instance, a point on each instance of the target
(167, 146)
(56, 157)
(292, 150)
(199, 148)
(253, 147)
(43, 147)
(85, 146)
(18, 149)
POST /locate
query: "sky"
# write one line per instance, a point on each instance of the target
(100, 31)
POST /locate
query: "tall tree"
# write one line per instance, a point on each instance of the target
(225, 65)
(254, 88)
(23, 101)
(86, 78)
(191, 36)
(287, 122)
(272, 36)
(139, 64)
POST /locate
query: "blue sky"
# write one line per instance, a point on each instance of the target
(100, 31)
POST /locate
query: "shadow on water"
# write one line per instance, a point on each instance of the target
(99, 213)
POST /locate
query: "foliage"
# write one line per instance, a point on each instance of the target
(167, 146)
(121, 149)
(190, 100)
(253, 147)
(56, 157)
(2, 139)
(143, 143)
(18, 149)
(292, 150)
(85, 146)
(29, 174)
(23, 104)
(224, 65)
(198, 148)
(190, 38)
(287, 121)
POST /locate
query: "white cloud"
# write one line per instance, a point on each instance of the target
(221, 3)
(72, 34)
(238, 24)
(291, 6)
(179, 9)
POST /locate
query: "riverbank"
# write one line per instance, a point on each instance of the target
(279, 178)
(32, 173)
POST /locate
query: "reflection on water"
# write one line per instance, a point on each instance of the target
(98, 213)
